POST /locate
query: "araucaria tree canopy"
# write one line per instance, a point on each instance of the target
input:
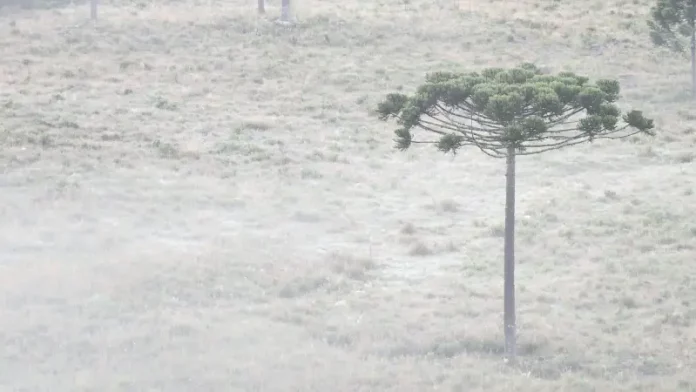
(519, 107)
(671, 22)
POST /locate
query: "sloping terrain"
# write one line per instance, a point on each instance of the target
(194, 198)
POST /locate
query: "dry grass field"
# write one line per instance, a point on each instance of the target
(194, 198)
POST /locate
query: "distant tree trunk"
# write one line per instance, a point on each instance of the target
(262, 7)
(509, 270)
(693, 60)
(285, 11)
(93, 9)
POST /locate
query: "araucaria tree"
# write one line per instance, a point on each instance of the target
(506, 113)
(672, 23)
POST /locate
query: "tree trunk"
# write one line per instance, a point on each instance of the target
(93, 9)
(693, 61)
(262, 7)
(285, 11)
(509, 312)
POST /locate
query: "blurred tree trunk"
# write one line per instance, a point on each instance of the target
(262, 7)
(285, 11)
(693, 60)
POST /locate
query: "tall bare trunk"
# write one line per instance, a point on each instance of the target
(509, 294)
(693, 61)
(285, 11)
(93, 9)
(262, 7)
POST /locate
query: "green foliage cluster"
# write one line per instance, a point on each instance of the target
(672, 21)
(519, 107)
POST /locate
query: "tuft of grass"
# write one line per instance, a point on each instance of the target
(337, 272)
(166, 150)
(408, 229)
(256, 125)
(420, 249)
(450, 206)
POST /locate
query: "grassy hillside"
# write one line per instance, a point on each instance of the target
(13, 5)
(194, 198)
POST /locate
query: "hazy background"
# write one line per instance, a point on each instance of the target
(196, 198)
